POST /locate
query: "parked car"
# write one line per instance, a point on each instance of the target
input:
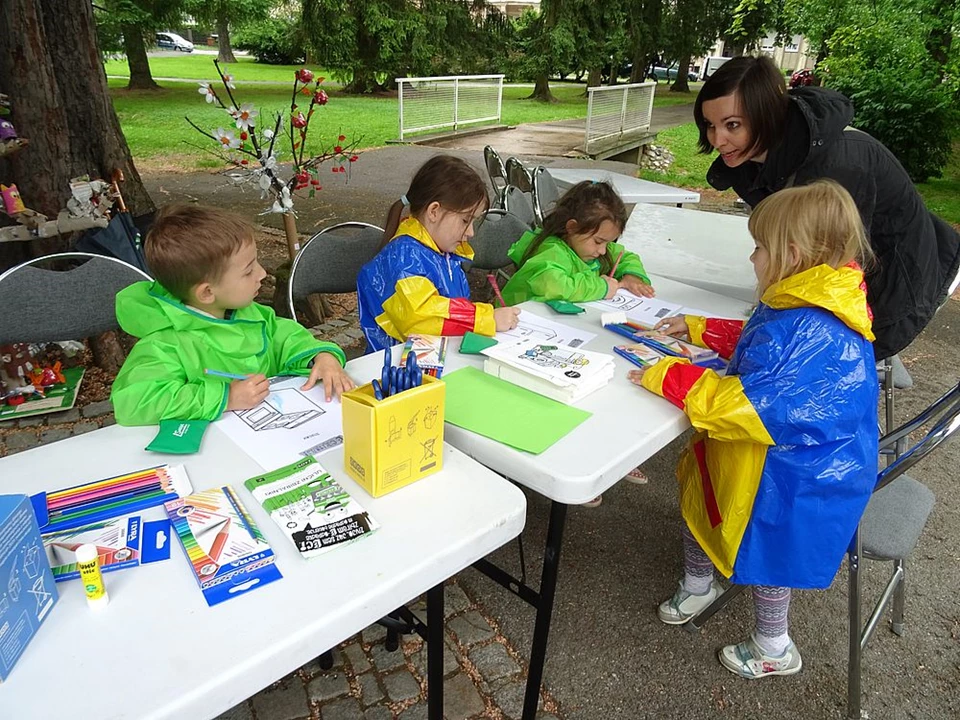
(172, 41)
(801, 78)
(670, 73)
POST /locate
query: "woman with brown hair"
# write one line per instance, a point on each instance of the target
(770, 138)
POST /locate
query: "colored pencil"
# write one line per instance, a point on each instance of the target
(613, 272)
(496, 288)
(221, 373)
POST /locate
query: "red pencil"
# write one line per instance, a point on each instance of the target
(496, 289)
(613, 272)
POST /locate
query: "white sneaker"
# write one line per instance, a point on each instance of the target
(747, 659)
(594, 503)
(684, 605)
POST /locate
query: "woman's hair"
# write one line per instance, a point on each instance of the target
(763, 100)
(444, 179)
(589, 204)
(820, 221)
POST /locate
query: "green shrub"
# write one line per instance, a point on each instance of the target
(898, 95)
(273, 41)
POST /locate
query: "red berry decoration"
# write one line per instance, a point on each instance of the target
(298, 120)
(320, 97)
(304, 75)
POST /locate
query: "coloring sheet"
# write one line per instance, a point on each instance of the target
(646, 312)
(534, 327)
(290, 424)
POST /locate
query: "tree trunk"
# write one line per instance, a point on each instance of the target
(64, 109)
(541, 90)
(682, 84)
(137, 61)
(223, 39)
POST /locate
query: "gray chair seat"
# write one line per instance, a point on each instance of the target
(895, 517)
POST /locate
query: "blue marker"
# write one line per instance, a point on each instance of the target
(377, 390)
(221, 373)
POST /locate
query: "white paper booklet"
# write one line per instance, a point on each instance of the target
(646, 312)
(561, 372)
(311, 507)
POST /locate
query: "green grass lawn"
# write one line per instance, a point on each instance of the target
(154, 125)
(941, 195)
(200, 67)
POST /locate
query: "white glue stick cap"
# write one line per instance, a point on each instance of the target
(86, 554)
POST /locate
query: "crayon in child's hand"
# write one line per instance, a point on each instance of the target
(221, 373)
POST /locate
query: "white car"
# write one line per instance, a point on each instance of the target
(172, 41)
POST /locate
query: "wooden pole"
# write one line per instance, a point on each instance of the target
(290, 229)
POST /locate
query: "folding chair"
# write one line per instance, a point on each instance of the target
(888, 531)
(518, 175)
(496, 171)
(545, 193)
(495, 234)
(520, 204)
(330, 261)
(71, 304)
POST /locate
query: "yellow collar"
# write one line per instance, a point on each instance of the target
(415, 229)
(840, 291)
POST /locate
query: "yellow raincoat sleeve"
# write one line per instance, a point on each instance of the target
(417, 307)
(153, 386)
(717, 405)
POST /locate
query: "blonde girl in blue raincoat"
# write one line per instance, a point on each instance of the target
(784, 458)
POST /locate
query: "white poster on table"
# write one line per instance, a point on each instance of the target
(290, 424)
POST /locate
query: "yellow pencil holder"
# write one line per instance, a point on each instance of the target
(393, 442)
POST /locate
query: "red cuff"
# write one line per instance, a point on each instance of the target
(462, 317)
(678, 381)
(722, 335)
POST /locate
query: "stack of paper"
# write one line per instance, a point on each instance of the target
(561, 372)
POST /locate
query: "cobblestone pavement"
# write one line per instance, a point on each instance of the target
(483, 675)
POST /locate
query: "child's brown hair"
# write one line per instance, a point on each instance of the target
(589, 203)
(820, 221)
(191, 244)
(445, 179)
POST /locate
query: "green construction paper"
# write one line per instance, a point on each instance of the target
(505, 412)
(472, 343)
(179, 437)
(565, 308)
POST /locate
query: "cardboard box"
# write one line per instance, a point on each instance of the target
(27, 591)
(393, 442)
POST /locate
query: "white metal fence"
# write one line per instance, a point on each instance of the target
(436, 103)
(617, 113)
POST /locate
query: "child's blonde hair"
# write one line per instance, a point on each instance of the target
(191, 244)
(819, 221)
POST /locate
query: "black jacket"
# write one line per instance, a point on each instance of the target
(917, 253)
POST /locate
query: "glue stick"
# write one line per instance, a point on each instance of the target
(88, 562)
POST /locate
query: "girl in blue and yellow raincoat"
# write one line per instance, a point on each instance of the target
(416, 284)
(784, 459)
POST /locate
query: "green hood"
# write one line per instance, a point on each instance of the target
(517, 250)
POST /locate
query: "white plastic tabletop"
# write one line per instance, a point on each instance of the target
(631, 189)
(628, 425)
(704, 249)
(158, 652)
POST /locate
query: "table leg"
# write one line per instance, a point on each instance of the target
(548, 588)
(435, 652)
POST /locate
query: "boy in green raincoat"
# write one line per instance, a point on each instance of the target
(200, 315)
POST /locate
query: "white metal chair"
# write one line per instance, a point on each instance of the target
(545, 193)
(71, 304)
(330, 261)
(889, 531)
